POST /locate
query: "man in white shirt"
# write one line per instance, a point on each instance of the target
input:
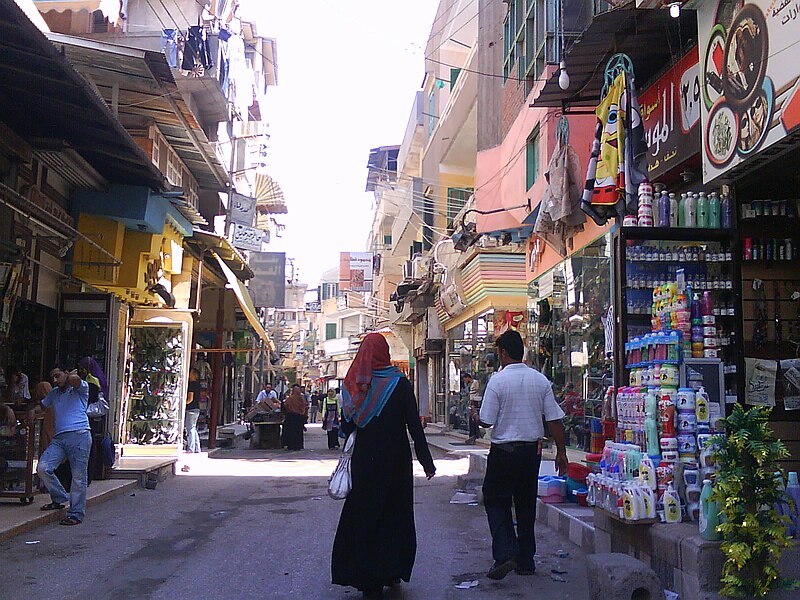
(516, 402)
(266, 402)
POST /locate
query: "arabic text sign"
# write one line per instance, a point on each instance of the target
(748, 79)
(671, 114)
(268, 286)
(243, 209)
(355, 271)
(246, 238)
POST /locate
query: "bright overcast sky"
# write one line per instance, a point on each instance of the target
(347, 74)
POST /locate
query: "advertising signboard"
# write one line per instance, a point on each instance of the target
(243, 209)
(671, 115)
(748, 79)
(268, 287)
(246, 238)
(355, 271)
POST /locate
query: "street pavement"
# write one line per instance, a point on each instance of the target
(258, 524)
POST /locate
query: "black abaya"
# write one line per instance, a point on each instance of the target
(376, 540)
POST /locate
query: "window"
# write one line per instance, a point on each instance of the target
(454, 73)
(330, 331)
(532, 159)
(387, 239)
(456, 198)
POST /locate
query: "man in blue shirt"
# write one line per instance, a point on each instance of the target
(72, 441)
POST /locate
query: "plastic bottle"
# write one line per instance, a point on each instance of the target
(674, 210)
(697, 310)
(714, 211)
(663, 210)
(793, 496)
(651, 423)
(709, 513)
(682, 211)
(630, 504)
(647, 473)
(690, 211)
(701, 210)
(672, 505)
(701, 409)
(726, 212)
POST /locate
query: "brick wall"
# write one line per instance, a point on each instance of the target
(512, 103)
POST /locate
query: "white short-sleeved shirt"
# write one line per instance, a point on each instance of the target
(514, 402)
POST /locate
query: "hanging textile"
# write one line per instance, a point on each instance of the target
(560, 217)
(618, 160)
(241, 78)
(224, 61)
(169, 46)
(196, 54)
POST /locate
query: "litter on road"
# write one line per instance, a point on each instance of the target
(464, 498)
(32, 542)
(465, 585)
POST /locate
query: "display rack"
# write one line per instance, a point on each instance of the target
(638, 275)
(19, 453)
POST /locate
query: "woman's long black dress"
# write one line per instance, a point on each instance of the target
(376, 541)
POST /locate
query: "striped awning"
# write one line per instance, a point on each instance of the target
(269, 195)
(111, 8)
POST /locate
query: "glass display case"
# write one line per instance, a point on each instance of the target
(19, 453)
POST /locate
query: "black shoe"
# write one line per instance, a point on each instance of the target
(500, 570)
(526, 572)
(373, 593)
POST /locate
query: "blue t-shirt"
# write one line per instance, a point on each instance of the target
(70, 407)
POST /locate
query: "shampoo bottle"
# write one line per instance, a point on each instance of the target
(709, 513)
(672, 505)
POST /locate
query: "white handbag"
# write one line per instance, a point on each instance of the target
(341, 481)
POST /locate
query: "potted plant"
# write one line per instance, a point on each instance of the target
(753, 532)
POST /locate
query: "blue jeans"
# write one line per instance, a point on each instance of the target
(73, 446)
(193, 442)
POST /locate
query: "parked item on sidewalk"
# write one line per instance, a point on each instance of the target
(375, 544)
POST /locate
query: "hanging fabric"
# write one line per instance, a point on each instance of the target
(241, 77)
(196, 54)
(560, 217)
(224, 61)
(618, 160)
(169, 46)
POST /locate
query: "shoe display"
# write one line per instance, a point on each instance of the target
(500, 570)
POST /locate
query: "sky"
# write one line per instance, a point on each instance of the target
(347, 74)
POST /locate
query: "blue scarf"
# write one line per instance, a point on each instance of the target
(383, 383)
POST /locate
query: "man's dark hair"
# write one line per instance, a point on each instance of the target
(294, 385)
(267, 383)
(466, 375)
(511, 342)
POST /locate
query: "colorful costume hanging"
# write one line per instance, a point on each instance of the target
(618, 161)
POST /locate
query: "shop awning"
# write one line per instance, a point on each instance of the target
(109, 8)
(269, 195)
(245, 303)
(652, 38)
(221, 246)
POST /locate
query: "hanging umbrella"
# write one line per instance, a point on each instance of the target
(559, 217)
(618, 161)
(269, 199)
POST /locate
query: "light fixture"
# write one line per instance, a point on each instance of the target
(675, 10)
(563, 78)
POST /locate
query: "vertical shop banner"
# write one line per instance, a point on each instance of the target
(748, 78)
(268, 286)
(355, 271)
(671, 115)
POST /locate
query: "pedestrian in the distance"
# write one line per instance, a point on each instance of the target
(295, 406)
(72, 442)
(376, 541)
(193, 411)
(472, 389)
(516, 401)
(331, 413)
(314, 406)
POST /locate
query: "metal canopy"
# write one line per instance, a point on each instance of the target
(44, 97)
(139, 84)
(651, 37)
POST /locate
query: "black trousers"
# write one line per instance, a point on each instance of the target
(512, 473)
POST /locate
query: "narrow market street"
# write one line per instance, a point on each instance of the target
(258, 524)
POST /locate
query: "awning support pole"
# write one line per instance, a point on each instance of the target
(216, 375)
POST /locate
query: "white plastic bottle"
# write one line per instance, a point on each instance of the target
(672, 505)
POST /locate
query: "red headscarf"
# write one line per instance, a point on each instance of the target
(372, 354)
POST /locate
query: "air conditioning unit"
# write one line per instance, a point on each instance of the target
(421, 267)
(408, 270)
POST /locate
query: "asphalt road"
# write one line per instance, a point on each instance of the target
(258, 524)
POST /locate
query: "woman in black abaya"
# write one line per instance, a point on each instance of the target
(376, 541)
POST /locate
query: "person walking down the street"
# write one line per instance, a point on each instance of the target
(295, 406)
(376, 540)
(515, 403)
(314, 407)
(474, 399)
(331, 413)
(72, 442)
(193, 411)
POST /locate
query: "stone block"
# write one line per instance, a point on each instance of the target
(702, 560)
(602, 541)
(621, 577)
(552, 517)
(587, 543)
(665, 545)
(575, 532)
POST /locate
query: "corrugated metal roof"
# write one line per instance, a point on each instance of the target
(651, 37)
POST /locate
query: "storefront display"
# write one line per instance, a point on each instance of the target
(19, 446)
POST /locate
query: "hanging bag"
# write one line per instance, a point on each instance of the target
(99, 408)
(341, 481)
